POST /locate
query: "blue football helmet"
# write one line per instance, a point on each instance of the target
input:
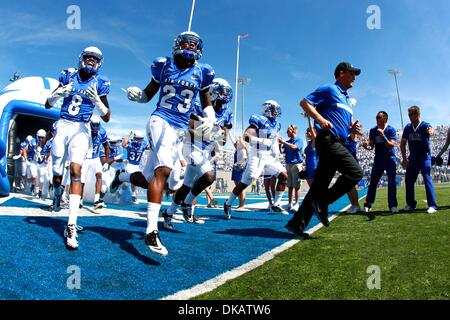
(90, 52)
(221, 90)
(95, 124)
(191, 37)
(271, 109)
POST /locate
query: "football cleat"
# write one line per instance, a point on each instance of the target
(153, 242)
(187, 212)
(116, 182)
(279, 209)
(167, 219)
(99, 204)
(70, 235)
(196, 220)
(227, 210)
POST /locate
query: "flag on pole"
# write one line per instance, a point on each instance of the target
(243, 36)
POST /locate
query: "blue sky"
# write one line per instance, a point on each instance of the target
(293, 47)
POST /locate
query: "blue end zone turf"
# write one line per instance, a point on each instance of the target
(114, 262)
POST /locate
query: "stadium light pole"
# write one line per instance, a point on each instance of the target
(395, 73)
(243, 81)
(192, 14)
(236, 80)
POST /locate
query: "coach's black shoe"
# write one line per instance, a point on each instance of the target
(187, 212)
(297, 231)
(227, 210)
(153, 242)
(116, 182)
(322, 213)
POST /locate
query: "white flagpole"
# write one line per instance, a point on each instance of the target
(236, 86)
(192, 14)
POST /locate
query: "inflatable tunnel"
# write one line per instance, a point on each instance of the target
(22, 110)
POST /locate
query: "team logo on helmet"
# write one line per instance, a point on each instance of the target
(86, 62)
(271, 109)
(221, 90)
(187, 53)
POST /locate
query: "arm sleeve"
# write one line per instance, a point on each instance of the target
(103, 86)
(208, 75)
(318, 96)
(157, 67)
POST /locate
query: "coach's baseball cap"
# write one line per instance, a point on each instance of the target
(346, 66)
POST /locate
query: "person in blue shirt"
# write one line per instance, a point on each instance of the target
(31, 169)
(417, 135)
(93, 162)
(82, 91)
(179, 80)
(197, 152)
(311, 158)
(293, 157)
(262, 134)
(135, 145)
(383, 139)
(331, 108)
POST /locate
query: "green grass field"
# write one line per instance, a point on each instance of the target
(412, 251)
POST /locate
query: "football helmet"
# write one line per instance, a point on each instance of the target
(40, 135)
(29, 138)
(190, 37)
(90, 52)
(221, 90)
(271, 109)
(95, 124)
(138, 137)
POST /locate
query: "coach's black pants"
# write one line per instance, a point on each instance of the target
(333, 156)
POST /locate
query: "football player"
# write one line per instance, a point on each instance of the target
(99, 137)
(262, 134)
(135, 146)
(197, 152)
(29, 153)
(179, 80)
(82, 90)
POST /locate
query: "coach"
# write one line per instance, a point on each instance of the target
(331, 108)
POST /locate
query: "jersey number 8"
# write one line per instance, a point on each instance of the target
(74, 107)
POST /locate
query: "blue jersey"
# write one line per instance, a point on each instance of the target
(77, 107)
(311, 160)
(333, 103)
(224, 119)
(97, 140)
(23, 145)
(179, 89)
(382, 152)
(135, 150)
(114, 150)
(294, 156)
(32, 146)
(266, 128)
(418, 140)
(45, 150)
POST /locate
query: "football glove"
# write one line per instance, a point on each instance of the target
(136, 94)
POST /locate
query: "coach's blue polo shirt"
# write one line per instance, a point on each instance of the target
(333, 103)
